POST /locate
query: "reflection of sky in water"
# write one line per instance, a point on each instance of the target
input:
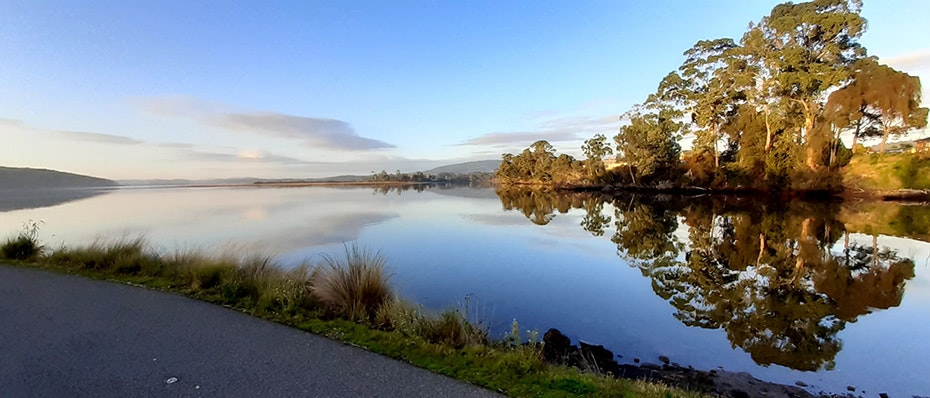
(444, 246)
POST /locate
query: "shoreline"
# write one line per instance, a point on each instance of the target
(297, 184)
(444, 342)
(848, 194)
(897, 195)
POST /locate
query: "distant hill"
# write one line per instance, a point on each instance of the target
(13, 178)
(178, 181)
(480, 166)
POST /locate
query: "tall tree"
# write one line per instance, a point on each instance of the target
(649, 144)
(895, 96)
(595, 149)
(704, 92)
(878, 101)
(804, 50)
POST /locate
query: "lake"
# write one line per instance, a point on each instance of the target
(827, 294)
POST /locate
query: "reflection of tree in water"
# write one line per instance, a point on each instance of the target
(539, 206)
(400, 188)
(767, 276)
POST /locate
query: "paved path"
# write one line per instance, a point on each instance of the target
(67, 336)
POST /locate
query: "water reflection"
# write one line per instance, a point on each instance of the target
(780, 279)
(21, 199)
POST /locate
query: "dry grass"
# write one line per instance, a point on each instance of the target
(355, 287)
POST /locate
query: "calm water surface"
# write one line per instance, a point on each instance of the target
(825, 294)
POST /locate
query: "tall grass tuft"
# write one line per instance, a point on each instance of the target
(129, 256)
(355, 287)
(451, 328)
(24, 246)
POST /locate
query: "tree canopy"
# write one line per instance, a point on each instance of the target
(766, 111)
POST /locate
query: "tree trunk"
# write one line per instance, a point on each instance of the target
(808, 135)
(761, 249)
(881, 148)
(768, 131)
(846, 247)
(856, 133)
(804, 245)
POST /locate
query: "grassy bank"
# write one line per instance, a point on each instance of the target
(348, 298)
(875, 172)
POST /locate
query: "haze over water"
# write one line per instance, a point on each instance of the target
(826, 294)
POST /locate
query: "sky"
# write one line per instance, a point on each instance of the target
(216, 89)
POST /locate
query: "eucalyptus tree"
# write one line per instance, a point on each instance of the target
(704, 93)
(879, 101)
(802, 52)
(895, 97)
(595, 149)
(847, 109)
(709, 94)
(649, 144)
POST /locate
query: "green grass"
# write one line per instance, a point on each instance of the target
(347, 299)
(888, 172)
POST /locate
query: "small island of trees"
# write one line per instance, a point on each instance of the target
(765, 113)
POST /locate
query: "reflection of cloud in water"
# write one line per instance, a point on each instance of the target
(916, 250)
(255, 214)
(497, 220)
(322, 231)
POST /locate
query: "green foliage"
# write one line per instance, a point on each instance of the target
(649, 146)
(888, 172)
(573, 386)
(595, 150)
(539, 164)
(758, 110)
(912, 171)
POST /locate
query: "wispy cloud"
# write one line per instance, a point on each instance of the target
(255, 156)
(84, 136)
(319, 132)
(521, 137)
(10, 123)
(97, 137)
(913, 60)
(552, 130)
(313, 131)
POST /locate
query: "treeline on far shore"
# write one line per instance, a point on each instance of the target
(475, 178)
(764, 112)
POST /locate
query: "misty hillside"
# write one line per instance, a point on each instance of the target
(181, 181)
(24, 178)
(480, 166)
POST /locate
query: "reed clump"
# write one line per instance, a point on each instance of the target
(355, 286)
(24, 246)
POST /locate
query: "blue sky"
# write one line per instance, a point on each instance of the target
(203, 89)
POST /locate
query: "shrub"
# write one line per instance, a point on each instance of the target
(355, 287)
